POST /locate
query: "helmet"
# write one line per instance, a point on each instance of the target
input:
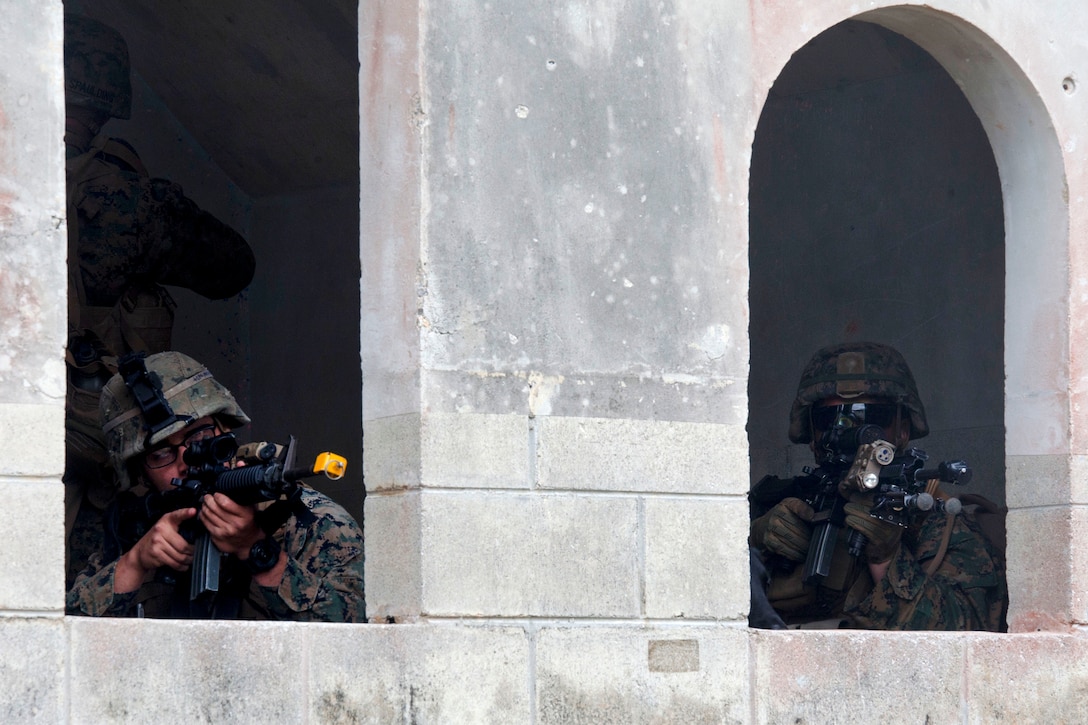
(96, 69)
(182, 390)
(850, 370)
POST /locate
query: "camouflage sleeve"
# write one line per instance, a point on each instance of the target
(92, 595)
(324, 576)
(194, 249)
(135, 230)
(963, 594)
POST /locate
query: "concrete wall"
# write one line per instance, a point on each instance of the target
(556, 260)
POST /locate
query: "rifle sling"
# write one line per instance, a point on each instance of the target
(933, 489)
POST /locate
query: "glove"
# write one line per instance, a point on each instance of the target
(785, 529)
(883, 538)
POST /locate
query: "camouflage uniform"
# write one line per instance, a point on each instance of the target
(323, 579)
(131, 234)
(966, 591)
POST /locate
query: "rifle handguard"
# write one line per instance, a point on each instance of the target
(265, 478)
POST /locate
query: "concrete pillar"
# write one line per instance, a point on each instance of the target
(553, 260)
(33, 277)
(33, 280)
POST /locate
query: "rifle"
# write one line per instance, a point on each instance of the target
(271, 479)
(269, 475)
(858, 459)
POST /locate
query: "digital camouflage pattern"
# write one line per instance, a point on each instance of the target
(134, 232)
(966, 592)
(96, 68)
(853, 369)
(190, 391)
(323, 580)
(90, 486)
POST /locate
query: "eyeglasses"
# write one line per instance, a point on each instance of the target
(165, 455)
(850, 415)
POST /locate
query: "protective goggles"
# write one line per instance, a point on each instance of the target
(851, 415)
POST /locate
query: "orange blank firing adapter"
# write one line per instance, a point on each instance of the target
(332, 465)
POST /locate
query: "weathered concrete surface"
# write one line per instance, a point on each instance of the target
(841, 677)
(518, 555)
(32, 557)
(1021, 678)
(29, 445)
(694, 549)
(394, 555)
(641, 674)
(133, 671)
(476, 451)
(33, 673)
(509, 272)
(33, 305)
(600, 454)
(33, 236)
(454, 674)
(838, 677)
(551, 244)
(547, 673)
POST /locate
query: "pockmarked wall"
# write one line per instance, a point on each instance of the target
(555, 259)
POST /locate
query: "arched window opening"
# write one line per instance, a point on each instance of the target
(876, 214)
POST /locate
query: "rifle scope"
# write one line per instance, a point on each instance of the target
(210, 452)
(846, 441)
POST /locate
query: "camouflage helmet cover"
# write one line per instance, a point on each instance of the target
(190, 391)
(96, 67)
(850, 370)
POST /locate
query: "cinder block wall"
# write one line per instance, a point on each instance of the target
(557, 459)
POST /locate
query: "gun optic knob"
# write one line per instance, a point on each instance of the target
(922, 501)
(951, 506)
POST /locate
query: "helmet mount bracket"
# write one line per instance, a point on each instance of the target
(146, 388)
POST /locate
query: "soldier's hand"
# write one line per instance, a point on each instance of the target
(883, 538)
(785, 529)
(162, 545)
(232, 526)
